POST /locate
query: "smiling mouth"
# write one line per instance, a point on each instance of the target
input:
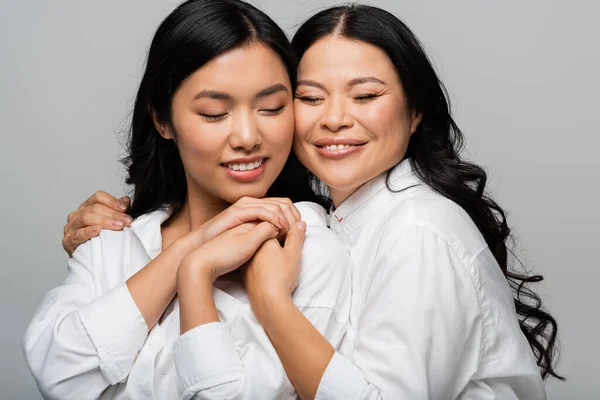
(333, 147)
(244, 166)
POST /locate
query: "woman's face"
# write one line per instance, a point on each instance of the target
(352, 118)
(233, 124)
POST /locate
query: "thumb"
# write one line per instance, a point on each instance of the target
(295, 239)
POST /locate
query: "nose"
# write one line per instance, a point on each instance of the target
(336, 116)
(245, 134)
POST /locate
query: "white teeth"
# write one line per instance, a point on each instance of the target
(245, 167)
(337, 147)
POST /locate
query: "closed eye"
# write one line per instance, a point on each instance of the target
(309, 99)
(273, 111)
(213, 117)
(366, 97)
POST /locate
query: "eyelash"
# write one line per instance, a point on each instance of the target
(213, 118)
(314, 100)
(219, 117)
(274, 111)
(308, 99)
(366, 97)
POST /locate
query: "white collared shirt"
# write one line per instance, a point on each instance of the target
(432, 315)
(89, 339)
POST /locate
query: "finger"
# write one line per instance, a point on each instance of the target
(243, 228)
(88, 219)
(258, 235)
(295, 240)
(71, 242)
(290, 203)
(101, 209)
(288, 209)
(263, 213)
(101, 197)
(84, 234)
(272, 206)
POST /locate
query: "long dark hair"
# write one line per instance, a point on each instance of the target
(193, 34)
(434, 150)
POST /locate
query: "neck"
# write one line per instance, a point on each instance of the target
(199, 207)
(339, 196)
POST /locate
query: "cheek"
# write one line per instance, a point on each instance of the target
(385, 121)
(305, 120)
(200, 143)
(279, 132)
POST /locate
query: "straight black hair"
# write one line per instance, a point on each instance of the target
(434, 150)
(195, 33)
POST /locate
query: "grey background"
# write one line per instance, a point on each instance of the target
(523, 78)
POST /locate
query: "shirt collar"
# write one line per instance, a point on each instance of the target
(147, 229)
(371, 197)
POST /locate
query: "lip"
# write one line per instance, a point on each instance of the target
(246, 160)
(245, 176)
(341, 153)
(331, 141)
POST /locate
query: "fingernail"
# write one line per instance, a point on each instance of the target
(95, 229)
(301, 225)
(122, 206)
(128, 220)
(117, 223)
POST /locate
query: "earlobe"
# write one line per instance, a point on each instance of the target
(162, 129)
(416, 120)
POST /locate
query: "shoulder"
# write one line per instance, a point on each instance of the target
(110, 248)
(326, 265)
(320, 243)
(312, 213)
(433, 217)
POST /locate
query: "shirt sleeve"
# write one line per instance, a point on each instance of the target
(218, 361)
(421, 329)
(79, 341)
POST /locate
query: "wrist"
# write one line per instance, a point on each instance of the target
(194, 272)
(196, 301)
(270, 306)
(196, 238)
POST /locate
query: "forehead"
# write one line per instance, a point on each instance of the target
(339, 57)
(244, 69)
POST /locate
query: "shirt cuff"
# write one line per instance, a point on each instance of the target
(341, 380)
(205, 357)
(117, 329)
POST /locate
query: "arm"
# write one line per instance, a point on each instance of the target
(80, 341)
(418, 325)
(93, 338)
(238, 359)
(154, 286)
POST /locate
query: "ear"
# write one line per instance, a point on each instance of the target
(163, 129)
(416, 120)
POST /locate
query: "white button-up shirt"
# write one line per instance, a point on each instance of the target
(88, 339)
(432, 315)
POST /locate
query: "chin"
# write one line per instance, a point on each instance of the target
(256, 191)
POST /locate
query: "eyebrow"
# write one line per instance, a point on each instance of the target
(353, 82)
(366, 79)
(214, 94)
(308, 82)
(279, 87)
